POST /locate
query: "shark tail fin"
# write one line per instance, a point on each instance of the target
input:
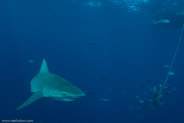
(32, 99)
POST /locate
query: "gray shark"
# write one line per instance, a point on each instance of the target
(47, 84)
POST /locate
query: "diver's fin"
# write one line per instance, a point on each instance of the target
(44, 68)
(32, 99)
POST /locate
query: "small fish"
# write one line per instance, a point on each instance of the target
(171, 73)
(93, 4)
(105, 100)
(161, 21)
(103, 77)
(92, 43)
(123, 92)
(166, 66)
(141, 101)
(137, 97)
(173, 89)
(31, 61)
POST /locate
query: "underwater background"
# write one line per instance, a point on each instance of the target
(108, 48)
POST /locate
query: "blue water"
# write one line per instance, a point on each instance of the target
(110, 52)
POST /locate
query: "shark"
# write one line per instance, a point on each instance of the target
(47, 84)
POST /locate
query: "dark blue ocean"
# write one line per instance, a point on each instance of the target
(110, 49)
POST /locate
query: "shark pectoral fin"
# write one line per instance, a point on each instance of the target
(32, 99)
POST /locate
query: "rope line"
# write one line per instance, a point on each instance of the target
(172, 63)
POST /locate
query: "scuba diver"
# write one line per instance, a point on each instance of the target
(172, 15)
(154, 98)
(157, 93)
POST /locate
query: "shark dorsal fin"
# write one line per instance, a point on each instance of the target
(44, 68)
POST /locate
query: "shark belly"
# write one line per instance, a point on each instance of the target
(58, 95)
